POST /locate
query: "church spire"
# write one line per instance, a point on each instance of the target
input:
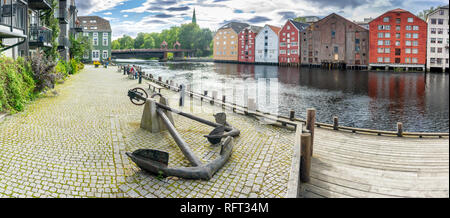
(194, 19)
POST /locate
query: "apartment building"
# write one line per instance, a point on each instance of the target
(226, 42)
(266, 46)
(289, 42)
(398, 39)
(438, 39)
(246, 44)
(335, 40)
(99, 32)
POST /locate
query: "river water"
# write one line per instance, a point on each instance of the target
(363, 99)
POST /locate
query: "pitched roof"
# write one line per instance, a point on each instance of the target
(342, 18)
(275, 29)
(236, 26)
(437, 9)
(101, 24)
(255, 29)
(299, 26)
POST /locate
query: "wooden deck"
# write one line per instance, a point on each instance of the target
(358, 165)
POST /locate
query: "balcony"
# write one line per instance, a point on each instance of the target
(40, 37)
(39, 4)
(73, 8)
(64, 43)
(63, 16)
(12, 19)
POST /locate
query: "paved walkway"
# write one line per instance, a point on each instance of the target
(74, 144)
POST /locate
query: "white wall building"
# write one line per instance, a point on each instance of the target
(266, 45)
(438, 37)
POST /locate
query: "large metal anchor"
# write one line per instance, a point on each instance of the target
(156, 161)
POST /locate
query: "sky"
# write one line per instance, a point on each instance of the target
(133, 16)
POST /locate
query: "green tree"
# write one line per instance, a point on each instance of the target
(126, 42)
(78, 46)
(139, 41)
(149, 42)
(300, 19)
(423, 14)
(115, 44)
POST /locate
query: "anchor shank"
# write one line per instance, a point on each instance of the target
(184, 147)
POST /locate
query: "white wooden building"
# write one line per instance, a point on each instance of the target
(266, 45)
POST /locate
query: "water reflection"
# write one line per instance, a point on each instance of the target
(376, 100)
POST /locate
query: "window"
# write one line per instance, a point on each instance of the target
(432, 49)
(85, 34)
(440, 21)
(105, 54)
(336, 49)
(410, 19)
(432, 60)
(380, 35)
(433, 30)
(293, 43)
(387, 27)
(433, 21)
(441, 12)
(433, 40)
(84, 21)
(440, 31)
(397, 20)
(95, 55)
(415, 35)
(288, 27)
(397, 28)
(93, 21)
(380, 42)
(386, 19)
(380, 59)
(398, 51)
(105, 39)
(283, 44)
(387, 35)
(397, 35)
(439, 40)
(407, 60)
(95, 41)
(414, 60)
(415, 43)
(439, 50)
(408, 35)
(407, 51)
(387, 59)
(380, 50)
(415, 51)
(294, 52)
(415, 27)
(387, 42)
(408, 27)
(93, 27)
(397, 43)
(387, 50)
(282, 51)
(333, 33)
(408, 43)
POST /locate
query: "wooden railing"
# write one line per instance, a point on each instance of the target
(292, 121)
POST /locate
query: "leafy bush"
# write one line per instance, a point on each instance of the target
(44, 72)
(16, 84)
(61, 68)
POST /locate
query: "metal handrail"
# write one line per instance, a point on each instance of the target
(13, 14)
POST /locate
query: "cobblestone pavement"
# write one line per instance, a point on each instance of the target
(74, 144)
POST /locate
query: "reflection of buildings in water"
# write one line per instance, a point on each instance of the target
(332, 80)
(437, 92)
(289, 75)
(402, 91)
(245, 70)
(266, 71)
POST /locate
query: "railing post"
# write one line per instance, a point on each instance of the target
(335, 123)
(214, 96)
(292, 115)
(182, 95)
(306, 156)
(310, 124)
(400, 129)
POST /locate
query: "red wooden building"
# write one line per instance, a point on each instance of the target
(398, 38)
(246, 44)
(289, 42)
